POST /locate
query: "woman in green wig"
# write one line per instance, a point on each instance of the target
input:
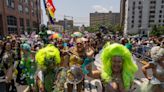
(118, 68)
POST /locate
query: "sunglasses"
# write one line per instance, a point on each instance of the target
(79, 43)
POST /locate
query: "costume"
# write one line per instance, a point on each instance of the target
(77, 57)
(27, 65)
(50, 77)
(129, 68)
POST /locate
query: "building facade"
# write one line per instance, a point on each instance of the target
(104, 18)
(19, 16)
(141, 15)
(61, 25)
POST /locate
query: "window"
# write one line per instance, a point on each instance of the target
(21, 1)
(27, 10)
(134, 3)
(140, 11)
(133, 7)
(151, 20)
(133, 17)
(132, 21)
(12, 24)
(10, 3)
(152, 2)
(132, 26)
(27, 1)
(160, 16)
(162, 6)
(152, 7)
(140, 16)
(20, 8)
(159, 21)
(28, 23)
(139, 21)
(21, 22)
(152, 11)
(149, 25)
(133, 12)
(162, 1)
(21, 25)
(151, 16)
(160, 11)
(34, 26)
(139, 2)
(139, 25)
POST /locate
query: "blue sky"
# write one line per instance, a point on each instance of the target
(80, 9)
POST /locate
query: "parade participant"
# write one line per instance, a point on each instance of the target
(50, 77)
(90, 56)
(8, 65)
(117, 68)
(77, 53)
(17, 51)
(27, 65)
(157, 66)
(77, 56)
(64, 56)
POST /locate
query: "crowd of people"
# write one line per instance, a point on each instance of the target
(45, 64)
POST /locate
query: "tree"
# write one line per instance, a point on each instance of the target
(118, 29)
(157, 31)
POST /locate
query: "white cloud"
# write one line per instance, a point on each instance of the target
(99, 8)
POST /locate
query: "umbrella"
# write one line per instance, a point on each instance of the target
(50, 32)
(77, 34)
(56, 35)
(72, 35)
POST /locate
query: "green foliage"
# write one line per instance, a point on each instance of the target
(157, 30)
(118, 29)
(110, 28)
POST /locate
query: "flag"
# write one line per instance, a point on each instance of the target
(51, 8)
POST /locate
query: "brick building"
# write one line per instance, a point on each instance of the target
(18, 16)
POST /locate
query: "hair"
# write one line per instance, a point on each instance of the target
(19, 51)
(49, 52)
(26, 47)
(4, 48)
(157, 53)
(129, 68)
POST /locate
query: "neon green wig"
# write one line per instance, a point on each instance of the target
(47, 53)
(129, 68)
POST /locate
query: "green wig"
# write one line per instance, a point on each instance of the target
(46, 54)
(129, 68)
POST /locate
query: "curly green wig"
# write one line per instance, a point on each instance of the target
(44, 55)
(129, 68)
